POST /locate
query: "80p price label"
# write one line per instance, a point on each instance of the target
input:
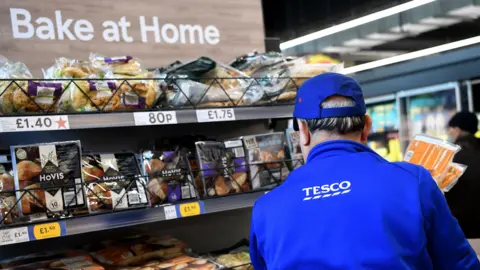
(155, 118)
(215, 115)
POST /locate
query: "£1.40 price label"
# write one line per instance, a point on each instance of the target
(155, 118)
(34, 123)
(215, 115)
(48, 230)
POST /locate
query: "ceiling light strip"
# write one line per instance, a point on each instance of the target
(353, 23)
(412, 55)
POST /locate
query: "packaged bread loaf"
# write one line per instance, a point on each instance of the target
(121, 65)
(252, 62)
(137, 92)
(207, 81)
(9, 211)
(113, 182)
(48, 178)
(169, 179)
(19, 74)
(223, 169)
(266, 158)
(293, 138)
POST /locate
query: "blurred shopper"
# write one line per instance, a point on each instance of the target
(348, 208)
(464, 197)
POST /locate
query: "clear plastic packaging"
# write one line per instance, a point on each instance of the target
(10, 89)
(266, 155)
(114, 182)
(138, 92)
(254, 61)
(120, 65)
(48, 178)
(454, 171)
(9, 213)
(169, 179)
(433, 154)
(293, 138)
(66, 68)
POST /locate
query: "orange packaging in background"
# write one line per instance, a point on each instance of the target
(433, 154)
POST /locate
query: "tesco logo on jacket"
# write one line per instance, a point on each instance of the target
(328, 190)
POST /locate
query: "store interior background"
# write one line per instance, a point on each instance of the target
(404, 99)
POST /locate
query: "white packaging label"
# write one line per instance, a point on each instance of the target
(120, 201)
(55, 202)
(13, 236)
(215, 115)
(170, 212)
(34, 123)
(155, 118)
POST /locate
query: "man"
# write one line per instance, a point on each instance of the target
(348, 208)
(464, 198)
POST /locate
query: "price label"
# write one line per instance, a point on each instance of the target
(48, 230)
(34, 123)
(190, 209)
(170, 212)
(13, 236)
(184, 210)
(215, 115)
(155, 118)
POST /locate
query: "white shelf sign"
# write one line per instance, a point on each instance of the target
(34, 123)
(155, 118)
(170, 212)
(13, 236)
(215, 115)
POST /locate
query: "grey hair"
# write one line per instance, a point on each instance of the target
(338, 125)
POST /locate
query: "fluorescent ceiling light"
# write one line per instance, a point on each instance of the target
(413, 28)
(339, 49)
(353, 23)
(362, 43)
(412, 55)
(470, 11)
(386, 36)
(440, 21)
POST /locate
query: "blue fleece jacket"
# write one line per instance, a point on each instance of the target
(348, 208)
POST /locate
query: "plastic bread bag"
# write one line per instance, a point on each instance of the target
(66, 68)
(90, 95)
(138, 92)
(169, 179)
(120, 65)
(282, 80)
(454, 171)
(254, 61)
(38, 97)
(9, 70)
(184, 92)
(48, 178)
(9, 213)
(114, 182)
(433, 154)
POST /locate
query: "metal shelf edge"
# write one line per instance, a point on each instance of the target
(121, 219)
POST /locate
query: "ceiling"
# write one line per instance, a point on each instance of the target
(436, 23)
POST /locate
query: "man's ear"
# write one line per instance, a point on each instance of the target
(304, 133)
(366, 129)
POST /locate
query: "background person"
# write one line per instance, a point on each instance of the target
(464, 197)
(348, 208)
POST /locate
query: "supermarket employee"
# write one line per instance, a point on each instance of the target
(348, 208)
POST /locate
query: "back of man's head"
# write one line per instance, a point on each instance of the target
(330, 107)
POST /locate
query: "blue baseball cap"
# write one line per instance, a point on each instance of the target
(317, 89)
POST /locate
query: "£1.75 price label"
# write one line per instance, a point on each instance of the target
(34, 123)
(215, 115)
(155, 118)
(47, 230)
(184, 210)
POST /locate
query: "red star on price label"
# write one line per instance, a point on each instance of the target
(61, 123)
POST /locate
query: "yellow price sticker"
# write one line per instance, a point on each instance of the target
(47, 230)
(190, 209)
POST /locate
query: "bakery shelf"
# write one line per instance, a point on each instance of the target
(114, 220)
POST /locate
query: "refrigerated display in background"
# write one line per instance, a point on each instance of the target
(429, 113)
(384, 135)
